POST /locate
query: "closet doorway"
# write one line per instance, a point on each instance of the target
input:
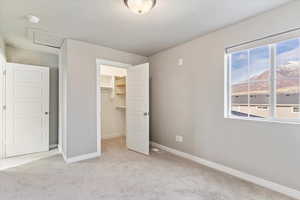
(123, 106)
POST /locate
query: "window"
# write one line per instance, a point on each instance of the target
(264, 82)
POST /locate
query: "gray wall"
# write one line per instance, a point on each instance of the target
(189, 101)
(2, 49)
(29, 57)
(81, 92)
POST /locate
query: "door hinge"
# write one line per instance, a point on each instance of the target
(4, 107)
(4, 72)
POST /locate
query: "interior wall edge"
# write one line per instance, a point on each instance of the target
(81, 90)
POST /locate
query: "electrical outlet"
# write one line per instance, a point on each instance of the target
(179, 138)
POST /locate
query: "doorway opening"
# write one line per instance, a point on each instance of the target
(122, 106)
(113, 107)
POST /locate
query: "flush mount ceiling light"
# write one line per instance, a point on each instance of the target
(33, 19)
(140, 6)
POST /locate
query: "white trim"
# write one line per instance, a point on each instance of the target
(2, 102)
(63, 79)
(53, 146)
(82, 157)
(98, 107)
(111, 63)
(64, 132)
(59, 148)
(227, 103)
(64, 156)
(242, 175)
(100, 62)
(60, 103)
(21, 160)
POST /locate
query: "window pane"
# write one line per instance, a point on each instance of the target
(239, 100)
(287, 98)
(239, 88)
(287, 79)
(239, 67)
(259, 68)
(288, 59)
(240, 110)
(259, 94)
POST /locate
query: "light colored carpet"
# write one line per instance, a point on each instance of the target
(125, 175)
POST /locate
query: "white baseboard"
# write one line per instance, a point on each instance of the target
(25, 159)
(247, 177)
(53, 146)
(81, 158)
(59, 148)
(64, 156)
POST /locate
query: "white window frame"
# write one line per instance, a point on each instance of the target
(272, 85)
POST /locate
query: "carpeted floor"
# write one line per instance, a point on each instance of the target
(120, 174)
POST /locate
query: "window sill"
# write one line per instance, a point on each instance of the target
(294, 122)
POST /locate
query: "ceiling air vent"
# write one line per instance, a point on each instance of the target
(44, 38)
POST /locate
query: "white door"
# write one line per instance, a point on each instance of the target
(27, 109)
(137, 115)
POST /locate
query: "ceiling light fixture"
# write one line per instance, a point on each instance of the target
(33, 19)
(140, 7)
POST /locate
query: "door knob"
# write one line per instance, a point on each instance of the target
(146, 113)
(46, 113)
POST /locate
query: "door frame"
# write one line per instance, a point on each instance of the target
(100, 62)
(2, 103)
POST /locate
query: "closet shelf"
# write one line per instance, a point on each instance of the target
(120, 93)
(121, 107)
(107, 87)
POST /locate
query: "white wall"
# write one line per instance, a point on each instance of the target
(29, 57)
(81, 93)
(189, 101)
(2, 62)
